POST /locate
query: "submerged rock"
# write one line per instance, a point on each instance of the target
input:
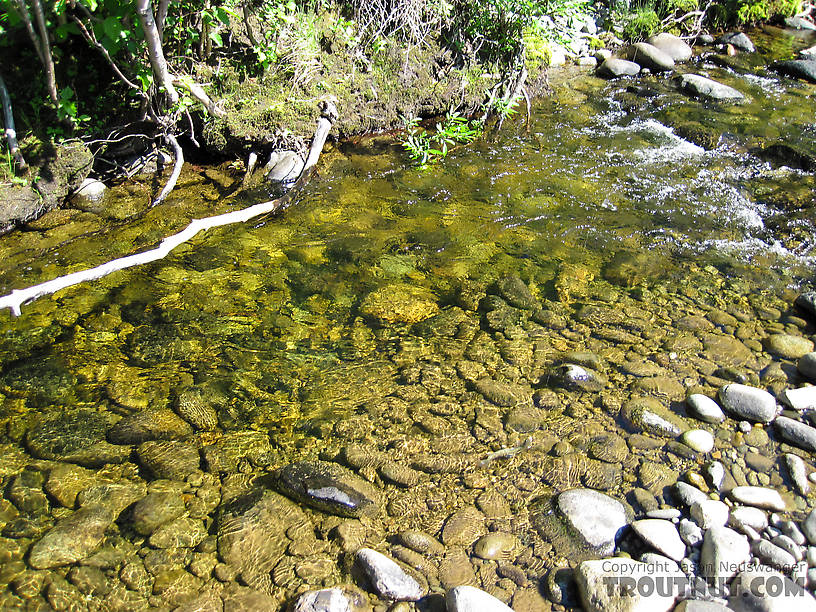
(703, 87)
(160, 424)
(788, 345)
(649, 415)
(328, 487)
(72, 539)
(252, 533)
(399, 303)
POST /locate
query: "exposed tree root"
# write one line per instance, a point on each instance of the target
(18, 297)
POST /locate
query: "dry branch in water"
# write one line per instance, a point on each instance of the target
(11, 132)
(18, 297)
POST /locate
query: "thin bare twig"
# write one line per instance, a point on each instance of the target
(91, 38)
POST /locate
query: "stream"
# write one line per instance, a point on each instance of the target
(409, 358)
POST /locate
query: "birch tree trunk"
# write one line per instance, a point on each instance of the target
(154, 49)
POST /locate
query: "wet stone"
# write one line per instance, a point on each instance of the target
(331, 600)
(399, 303)
(502, 394)
(388, 579)
(224, 455)
(252, 532)
(65, 481)
(113, 496)
(463, 527)
(194, 406)
(807, 365)
(147, 425)
(72, 539)
(155, 510)
(655, 476)
(26, 492)
(598, 518)
(420, 542)
(796, 432)
(788, 346)
(168, 459)
(57, 436)
(702, 87)
(496, 545)
(748, 402)
(649, 415)
(328, 487)
(609, 447)
(579, 378)
(759, 497)
(181, 533)
(516, 293)
(524, 419)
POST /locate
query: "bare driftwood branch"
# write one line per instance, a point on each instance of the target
(11, 132)
(14, 300)
(171, 182)
(199, 94)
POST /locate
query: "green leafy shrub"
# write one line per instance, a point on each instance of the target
(641, 24)
(424, 146)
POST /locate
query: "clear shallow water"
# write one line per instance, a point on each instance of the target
(301, 326)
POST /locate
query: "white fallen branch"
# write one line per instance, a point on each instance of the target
(171, 182)
(18, 297)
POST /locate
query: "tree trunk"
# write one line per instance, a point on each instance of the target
(48, 60)
(154, 49)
